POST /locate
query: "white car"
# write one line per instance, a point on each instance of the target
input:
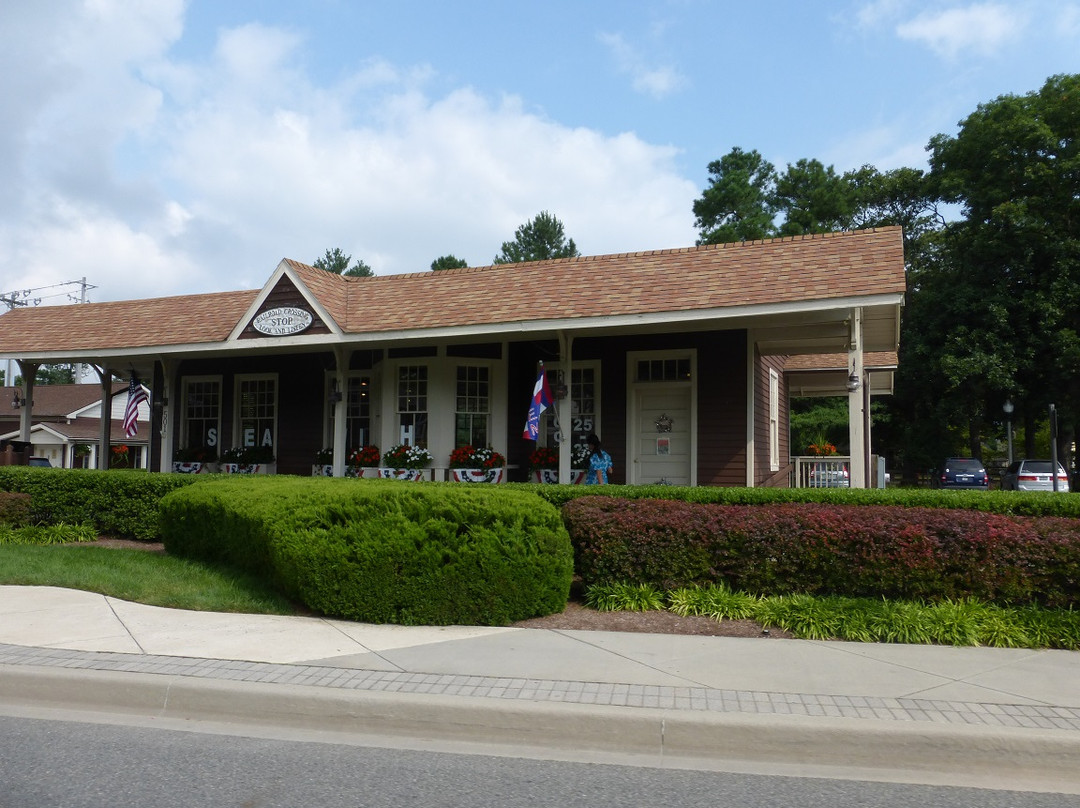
(1033, 475)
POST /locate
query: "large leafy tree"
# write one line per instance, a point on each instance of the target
(337, 262)
(1014, 168)
(739, 203)
(448, 262)
(541, 239)
(813, 198)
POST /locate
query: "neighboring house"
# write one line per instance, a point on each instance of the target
(66, 423)
(676, 358)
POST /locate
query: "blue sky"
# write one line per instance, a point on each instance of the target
(161, 147)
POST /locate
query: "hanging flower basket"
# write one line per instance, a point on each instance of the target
(577, 476)
(477, 464)
(496, 475)
(404, 456)
(248, 460)
(193, 467)
(400, 474)
(195, 460)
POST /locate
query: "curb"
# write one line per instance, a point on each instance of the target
(898, 751)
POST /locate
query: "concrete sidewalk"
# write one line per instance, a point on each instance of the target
(1001, 718)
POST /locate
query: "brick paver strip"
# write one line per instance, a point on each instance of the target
(573, 692)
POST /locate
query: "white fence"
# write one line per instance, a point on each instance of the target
(810, 471)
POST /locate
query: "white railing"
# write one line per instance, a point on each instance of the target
(810, 471)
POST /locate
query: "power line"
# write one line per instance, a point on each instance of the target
(27, 297)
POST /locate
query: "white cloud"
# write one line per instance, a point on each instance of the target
(656, 81)
(981, 28)
(151, 176)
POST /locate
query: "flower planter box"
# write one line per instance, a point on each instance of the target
(400, 474)
(478, 475)
(577, 476)
(249, 468)
(327, 470)
(193, 468)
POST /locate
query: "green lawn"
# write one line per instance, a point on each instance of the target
(139, 576)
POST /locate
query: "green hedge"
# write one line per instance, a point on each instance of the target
(382, 551)
(872, 550)
(122, 503)
(1022, 503)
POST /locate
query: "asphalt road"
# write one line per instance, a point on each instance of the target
(55, 762)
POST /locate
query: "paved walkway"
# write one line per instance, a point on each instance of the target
(1012, 708)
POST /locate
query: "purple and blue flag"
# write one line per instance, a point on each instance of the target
(541, 400)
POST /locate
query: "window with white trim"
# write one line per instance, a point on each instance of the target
(582, 402)
(357, 412)
(472, 406)
(256, 411)
(200, 426)
(412, 404)
(774, 420)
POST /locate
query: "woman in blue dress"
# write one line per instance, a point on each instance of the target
(600, 464)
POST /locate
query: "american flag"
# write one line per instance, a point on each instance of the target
(136, 396)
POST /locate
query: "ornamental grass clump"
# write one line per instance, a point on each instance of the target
(621, 597)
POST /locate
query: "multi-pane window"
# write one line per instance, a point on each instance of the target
(472, 407)
(774, 420)
(412, 404)
(582, 403)
(663, 370)
(357, 413)
(202, 414)
(257, 412)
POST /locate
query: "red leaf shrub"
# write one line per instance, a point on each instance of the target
(869, 550)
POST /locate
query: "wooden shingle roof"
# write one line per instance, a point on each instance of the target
(824, 267)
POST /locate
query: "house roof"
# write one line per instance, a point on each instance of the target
(85, 430)
(690, 285)
(57, 400)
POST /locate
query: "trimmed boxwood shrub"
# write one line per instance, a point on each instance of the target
(382, 551)
(870, 550)
(122, 503)
(14, 509)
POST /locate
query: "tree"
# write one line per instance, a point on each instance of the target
(337, 262)
(448, 262)
(1013, 167)
(539, 240)
(739, 202)
(814, 199)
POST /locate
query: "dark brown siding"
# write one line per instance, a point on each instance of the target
(286, 294)
(300, 382)
(720, 397)
(722, 408)
(763, 475)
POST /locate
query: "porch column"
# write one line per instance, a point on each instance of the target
(341, 364)
(28, 370)
(105, 431)
(165, 433)
(566, 345)
(856, 399)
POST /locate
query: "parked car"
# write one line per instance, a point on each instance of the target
(1033, 475)
(962, 472)
(829, 474)
(40, 461)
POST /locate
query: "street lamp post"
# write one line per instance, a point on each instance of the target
(1008, 407)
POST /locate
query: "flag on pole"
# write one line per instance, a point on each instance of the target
(541, 400)
(136, 396)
